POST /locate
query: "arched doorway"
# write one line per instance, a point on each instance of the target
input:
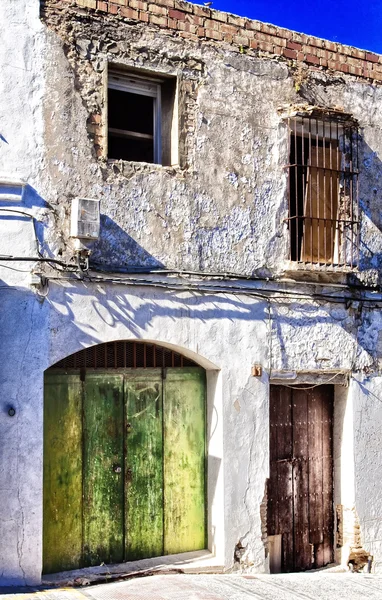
(124, 456)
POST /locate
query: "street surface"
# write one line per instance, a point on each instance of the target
(303, 586)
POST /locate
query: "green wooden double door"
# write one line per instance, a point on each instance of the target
(124, 466)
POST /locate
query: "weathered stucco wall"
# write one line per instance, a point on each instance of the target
(23, 320)
(221, 209)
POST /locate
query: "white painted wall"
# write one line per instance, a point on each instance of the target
(227, 334)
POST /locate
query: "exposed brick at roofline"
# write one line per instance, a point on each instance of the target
(218, 27)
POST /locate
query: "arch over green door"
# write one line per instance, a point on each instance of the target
(124, 465)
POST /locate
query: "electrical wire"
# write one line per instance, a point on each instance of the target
(200, 288)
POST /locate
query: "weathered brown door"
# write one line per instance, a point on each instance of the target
(300, 489)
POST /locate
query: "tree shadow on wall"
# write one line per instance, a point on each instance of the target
(116, 250)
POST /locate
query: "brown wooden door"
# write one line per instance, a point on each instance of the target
(300, 489)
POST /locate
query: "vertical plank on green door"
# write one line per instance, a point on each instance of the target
(103, 468)
(143, 471)
(62, 504)
(184, 460)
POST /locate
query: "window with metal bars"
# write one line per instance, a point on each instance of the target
(323, 216)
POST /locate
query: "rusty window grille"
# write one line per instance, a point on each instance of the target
(323, 216)
(124, 354)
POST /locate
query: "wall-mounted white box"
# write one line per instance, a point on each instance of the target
(85, 218)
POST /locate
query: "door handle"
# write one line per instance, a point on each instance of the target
(117, 469)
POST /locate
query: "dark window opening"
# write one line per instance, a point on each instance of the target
(131, 126)
(323, 192)
(142, 120)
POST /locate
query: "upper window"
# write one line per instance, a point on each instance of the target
(141, 118)
(323, 191)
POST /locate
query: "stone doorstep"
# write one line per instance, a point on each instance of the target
(198, 562)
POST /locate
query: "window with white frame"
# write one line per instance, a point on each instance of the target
(142, 124)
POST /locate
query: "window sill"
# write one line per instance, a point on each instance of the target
(318, 272)
(127, 167)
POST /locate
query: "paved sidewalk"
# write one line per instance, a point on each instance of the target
(303, 586)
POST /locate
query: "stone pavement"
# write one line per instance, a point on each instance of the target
(302, 586)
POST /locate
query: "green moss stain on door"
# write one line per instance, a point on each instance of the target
(62, 527)
(103, 468)
(144, 464)
(184, 460)
(124, 465)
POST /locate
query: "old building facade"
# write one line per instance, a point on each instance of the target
(205, 374)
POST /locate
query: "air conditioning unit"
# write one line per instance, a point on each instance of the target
(85, 222)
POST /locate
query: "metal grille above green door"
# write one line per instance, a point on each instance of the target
(124, 465)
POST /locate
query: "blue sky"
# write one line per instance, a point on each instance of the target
(357, 23)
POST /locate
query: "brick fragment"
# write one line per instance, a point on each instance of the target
(189, 27)
(217, 15)
(358, 53)
(234, 20)
(310, 58)
(129, 13)
(269, 29)
(176, 14)
(345, 50)
(371, 57)
(355, 70)
(113, 9)
(120, 2)
(87, 3)
(101, 5)
(185, 6)
(297, 37)
(288, 53)
(226, 28)
(137, 4)
(377, 76)
(210, 24)
(161, 21)
(265, 47)
(202, 11)
(316, 42)
(95, 118)
(330, 46)
(215, 35)
(144, 16)
(253, 25)
(240, 40)
(157, 10)
(294, 45)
